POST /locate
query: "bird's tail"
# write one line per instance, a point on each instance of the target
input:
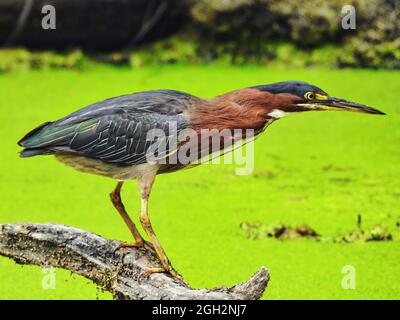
(31, 134)
(30, 150)
(26, 153)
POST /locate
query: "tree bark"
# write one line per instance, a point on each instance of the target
(117, 270)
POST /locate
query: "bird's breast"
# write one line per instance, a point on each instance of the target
(107, 169)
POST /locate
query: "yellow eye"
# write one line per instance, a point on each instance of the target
(309, 96)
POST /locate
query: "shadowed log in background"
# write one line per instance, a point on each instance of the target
(115, 270)
(87, 24)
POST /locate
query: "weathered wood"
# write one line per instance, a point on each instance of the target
(115, 270)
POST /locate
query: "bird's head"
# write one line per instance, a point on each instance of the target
(296, 96)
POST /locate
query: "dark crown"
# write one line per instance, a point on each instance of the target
(297, 88)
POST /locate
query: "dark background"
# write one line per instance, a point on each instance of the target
(243, 30)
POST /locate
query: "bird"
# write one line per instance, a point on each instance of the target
(111, 137)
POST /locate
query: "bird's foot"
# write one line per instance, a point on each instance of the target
(146, 273)
(145, 244)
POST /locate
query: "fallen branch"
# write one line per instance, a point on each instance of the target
(115, 270)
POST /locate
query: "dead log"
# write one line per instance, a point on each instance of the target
(115, 270)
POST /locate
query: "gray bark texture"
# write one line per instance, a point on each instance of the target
(117, 270)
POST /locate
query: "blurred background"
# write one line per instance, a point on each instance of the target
(139, 32)
(325, 191)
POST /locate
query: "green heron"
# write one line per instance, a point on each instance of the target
(110, 138)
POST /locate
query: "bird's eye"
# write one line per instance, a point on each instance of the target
(309, 96)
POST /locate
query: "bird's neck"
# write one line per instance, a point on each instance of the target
(240, 109)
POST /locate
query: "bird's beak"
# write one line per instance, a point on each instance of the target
(336, 104)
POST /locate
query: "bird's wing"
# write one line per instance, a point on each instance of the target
(116, 130)
(165, 102)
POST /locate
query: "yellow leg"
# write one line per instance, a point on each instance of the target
(117, 202)
(145, 185)
(145, 221)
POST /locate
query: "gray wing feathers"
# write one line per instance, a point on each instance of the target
(166, 102)
(115, 130)
(121, 138)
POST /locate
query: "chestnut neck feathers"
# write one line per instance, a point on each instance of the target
(240, 109)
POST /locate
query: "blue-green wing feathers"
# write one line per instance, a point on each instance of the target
(114, 130)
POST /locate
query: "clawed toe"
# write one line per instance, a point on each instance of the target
(146, 273)
(146, 245)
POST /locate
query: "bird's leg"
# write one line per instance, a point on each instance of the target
(117, 202)
(145, 185)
